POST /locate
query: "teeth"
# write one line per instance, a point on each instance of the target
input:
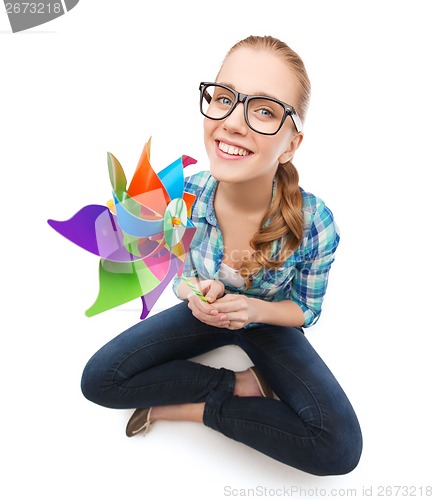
(232, 150)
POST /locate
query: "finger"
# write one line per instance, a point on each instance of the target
(203, 314)
(212, 320)
(225, 307)
(235, 325)
(228, 297)
(229, 306)
(195, 302)
(231, 316)
(214, 292)
(211, 297)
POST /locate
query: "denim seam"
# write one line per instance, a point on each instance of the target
(122, 389)
(125, 358)
(268, 427)
(298, 378)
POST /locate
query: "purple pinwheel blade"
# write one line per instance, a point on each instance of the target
(95, 229)
(149, 300)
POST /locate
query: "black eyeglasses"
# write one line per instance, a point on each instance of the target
(264, 115)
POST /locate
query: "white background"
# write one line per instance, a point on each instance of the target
(107, 76)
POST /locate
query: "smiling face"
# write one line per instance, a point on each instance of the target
(236, 152)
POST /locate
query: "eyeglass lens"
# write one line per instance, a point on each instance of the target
(263, 115)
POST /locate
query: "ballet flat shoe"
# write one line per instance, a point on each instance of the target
(265, 389)
(140, 421)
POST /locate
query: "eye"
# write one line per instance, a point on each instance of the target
(265, 112)
(265, 109)
(223, 100)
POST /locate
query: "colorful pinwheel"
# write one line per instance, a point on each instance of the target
(142, 235)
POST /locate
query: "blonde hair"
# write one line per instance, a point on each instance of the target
(284, 218)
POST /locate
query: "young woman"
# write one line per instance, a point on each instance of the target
(261, 255)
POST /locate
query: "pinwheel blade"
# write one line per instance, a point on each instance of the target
(121, 283)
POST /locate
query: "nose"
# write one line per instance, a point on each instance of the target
(236, 122)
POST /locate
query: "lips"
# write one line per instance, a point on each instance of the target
(233, 150)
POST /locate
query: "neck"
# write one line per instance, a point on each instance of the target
(253, 196)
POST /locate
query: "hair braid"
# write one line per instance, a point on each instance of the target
(283, 220)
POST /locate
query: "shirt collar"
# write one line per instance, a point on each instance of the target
(205, 206)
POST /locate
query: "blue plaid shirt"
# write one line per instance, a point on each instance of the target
(302, 278)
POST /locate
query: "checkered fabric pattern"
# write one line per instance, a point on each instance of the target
(302, 278)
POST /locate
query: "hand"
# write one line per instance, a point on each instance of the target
(237, 309)
(206, 311)
(212, 289)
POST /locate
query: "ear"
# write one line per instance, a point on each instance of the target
(289, 152)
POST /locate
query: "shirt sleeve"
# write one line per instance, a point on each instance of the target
(189, 271)
(311, 275)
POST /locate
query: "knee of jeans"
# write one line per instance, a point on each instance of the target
(92, 383)
(341, 454)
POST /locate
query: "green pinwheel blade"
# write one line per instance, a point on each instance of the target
(120, 282)
(117, 176)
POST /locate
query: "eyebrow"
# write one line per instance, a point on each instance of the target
(259, 93)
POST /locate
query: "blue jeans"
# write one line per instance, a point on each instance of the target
(312, 426)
